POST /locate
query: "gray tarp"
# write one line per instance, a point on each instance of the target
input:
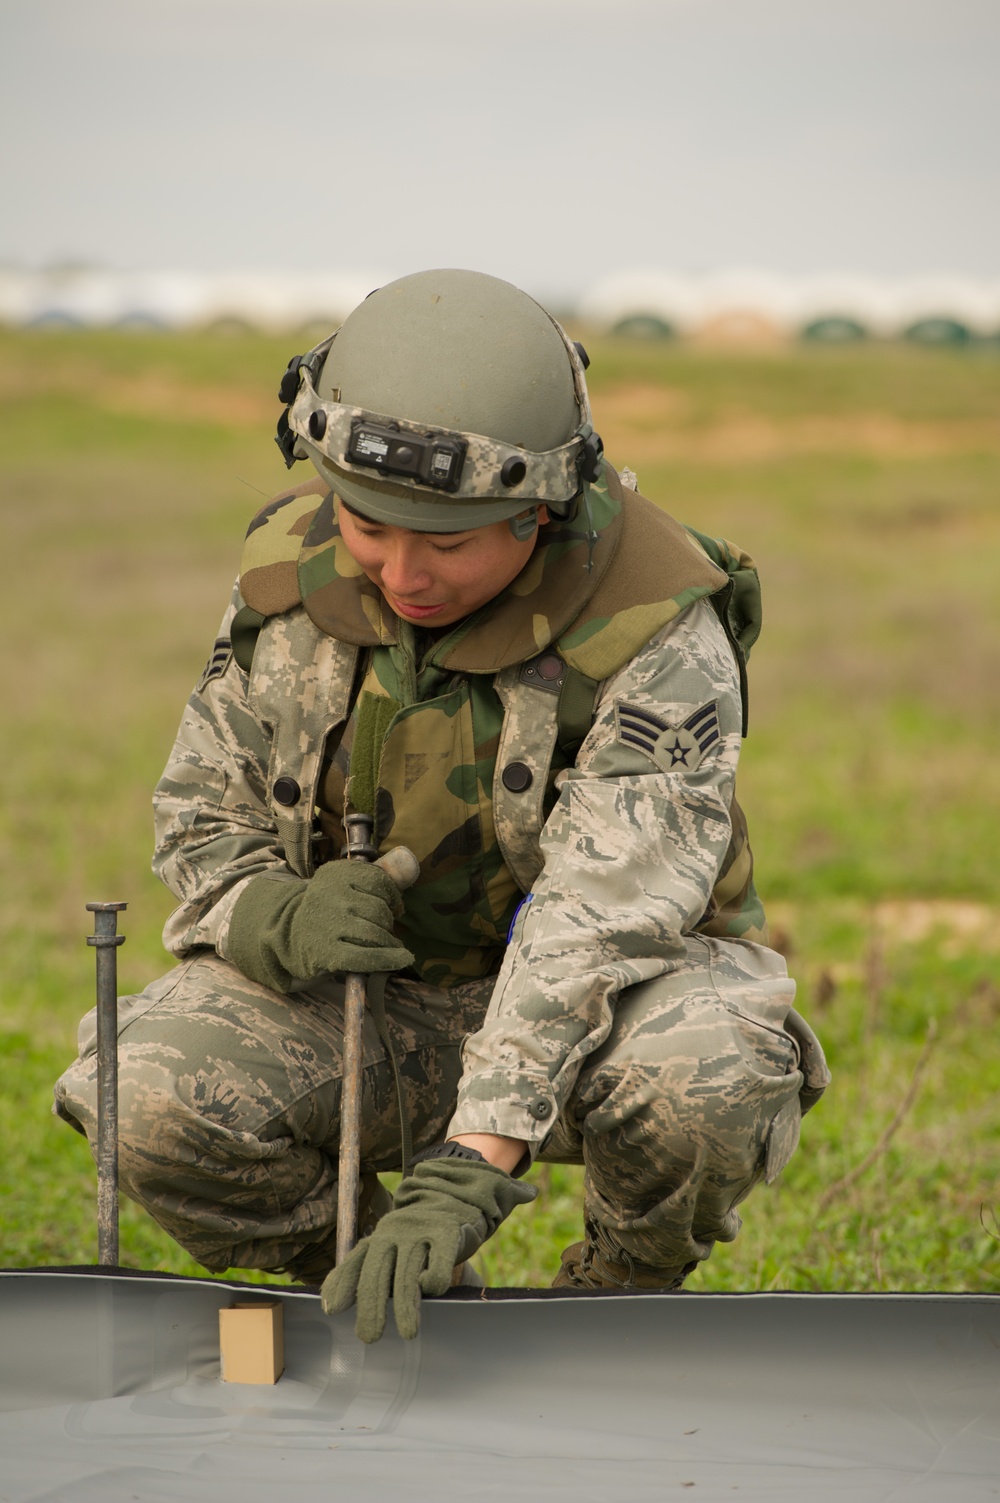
(110, 1390)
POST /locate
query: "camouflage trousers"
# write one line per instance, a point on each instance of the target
(229, 1105)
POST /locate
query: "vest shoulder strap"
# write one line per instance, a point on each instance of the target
(524, 756)
(301, 687)
(546, 705)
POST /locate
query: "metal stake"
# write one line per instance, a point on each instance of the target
(359, 848)
(106, 942)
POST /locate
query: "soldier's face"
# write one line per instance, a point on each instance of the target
(436, 578)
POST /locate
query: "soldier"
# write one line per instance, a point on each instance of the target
(475, 630)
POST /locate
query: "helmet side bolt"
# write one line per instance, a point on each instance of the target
(513, 471)
(317, 424)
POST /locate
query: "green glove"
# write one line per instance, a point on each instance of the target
(442, 1212)
(285, 932)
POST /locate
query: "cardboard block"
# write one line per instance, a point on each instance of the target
(252, 1342)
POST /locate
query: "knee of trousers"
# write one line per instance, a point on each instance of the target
(231, 1197)
(719, 1090)
(180, 1164)
(170, 1148)
(200, 1130)
(212, 1078)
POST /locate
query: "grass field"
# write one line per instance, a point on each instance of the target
(865, 483)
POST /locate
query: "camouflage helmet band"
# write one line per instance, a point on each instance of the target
(328, 428)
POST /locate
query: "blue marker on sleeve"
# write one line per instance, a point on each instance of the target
(517, 913)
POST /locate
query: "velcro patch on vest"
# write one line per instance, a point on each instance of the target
(217, 663)
(670, 745)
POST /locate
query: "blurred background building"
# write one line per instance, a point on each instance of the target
(722, 171)
(728, 307)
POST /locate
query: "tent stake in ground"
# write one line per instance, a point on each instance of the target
(106, 941)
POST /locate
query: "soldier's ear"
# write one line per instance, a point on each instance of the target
(542, 516)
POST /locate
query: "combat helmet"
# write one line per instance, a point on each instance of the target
(448, 400)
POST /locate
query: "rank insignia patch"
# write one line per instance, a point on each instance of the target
(216, 665)
(669, 746)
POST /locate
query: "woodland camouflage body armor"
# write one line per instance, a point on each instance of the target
(463, 735)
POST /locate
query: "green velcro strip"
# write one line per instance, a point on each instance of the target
(575, 714)
(374, 714)
(244, 631)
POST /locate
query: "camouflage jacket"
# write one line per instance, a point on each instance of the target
(582, 728)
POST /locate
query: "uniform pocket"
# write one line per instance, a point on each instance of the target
(782, 1139)
(812, 1061)
(762, 1008)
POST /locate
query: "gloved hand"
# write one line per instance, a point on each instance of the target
(340, 919)
(442, 1213)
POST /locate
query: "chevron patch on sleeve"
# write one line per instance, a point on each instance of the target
(217, 663)
(670, 746)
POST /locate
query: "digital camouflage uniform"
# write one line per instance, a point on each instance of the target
(575, 740)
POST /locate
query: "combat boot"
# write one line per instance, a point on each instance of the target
(597, 1263)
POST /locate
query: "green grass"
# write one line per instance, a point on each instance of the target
(865, 484)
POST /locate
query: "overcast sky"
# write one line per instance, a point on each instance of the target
(546, 141)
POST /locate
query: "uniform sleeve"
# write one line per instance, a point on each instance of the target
(213, 827)
(631, 852)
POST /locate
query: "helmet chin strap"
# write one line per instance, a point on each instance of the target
(525, 524)
(592, 535)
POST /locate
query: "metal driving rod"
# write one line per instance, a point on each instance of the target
(106, 941)
(402, 866)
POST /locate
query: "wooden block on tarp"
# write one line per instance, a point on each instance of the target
(252, 1342)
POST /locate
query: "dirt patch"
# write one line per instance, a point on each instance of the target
(638, 407)
(962, 926)
(653, 424)
(148, 394)
(170, 401)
